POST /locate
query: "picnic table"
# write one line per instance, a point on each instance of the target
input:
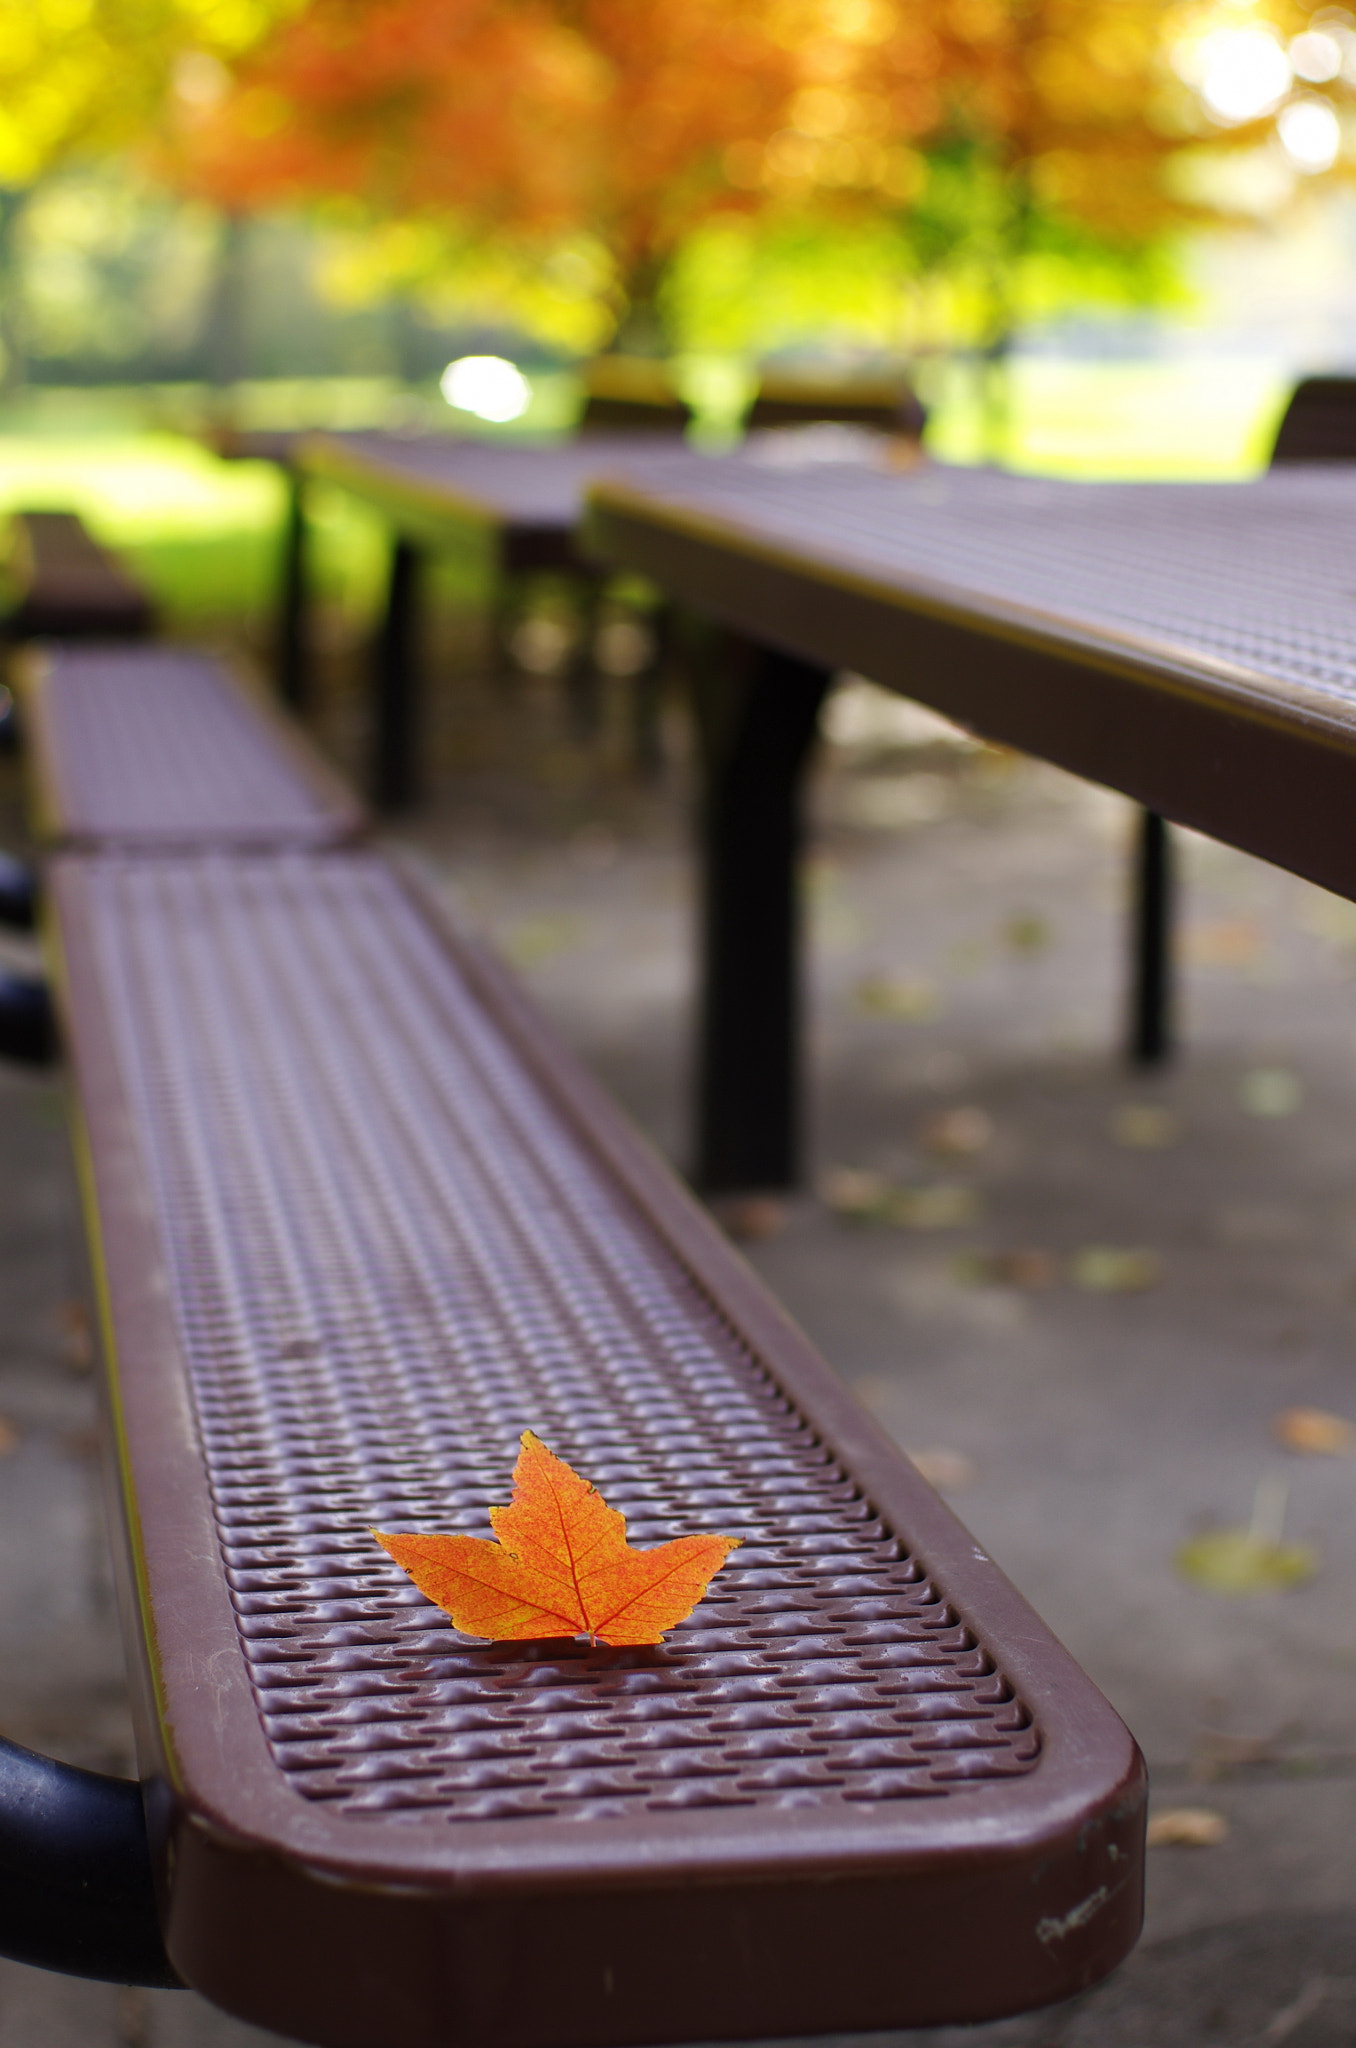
(509, 508)
(1193, 646)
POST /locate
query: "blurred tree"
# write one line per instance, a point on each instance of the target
(87, 77)
(95, 74)
(587, 136)
(552, 158)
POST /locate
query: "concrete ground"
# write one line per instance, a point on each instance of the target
(1082, 1297)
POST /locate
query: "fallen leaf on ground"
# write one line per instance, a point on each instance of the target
(893, 803)
(1114, 1269)
(1236, 1561)
(1029, 1268)
(1228, 942)
(946, 1206)
(9, 1438)
(857, 1192)
(943, 1468)
(1186, 1827)
(1315, 1431)
(540, 938)
(887, 995)
(750, 1219)
(1271, 1091)
(76, 1336)
(559, 1565)
(1251, 1560)
(958, 1133)
(1027, 933)
(1144, 1126)
(864, 1196)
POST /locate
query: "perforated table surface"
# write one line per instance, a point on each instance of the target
(1191, 645)
(358, 1223)
(160, 747)
(525, 501)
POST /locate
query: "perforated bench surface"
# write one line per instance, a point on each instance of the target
(358, 1224)
(157, 746)
(69, 584)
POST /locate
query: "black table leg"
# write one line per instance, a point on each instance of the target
(757, 713)
(292, 678)
(1151, 989)
(583, 691)
(647, 741)
(395, 686)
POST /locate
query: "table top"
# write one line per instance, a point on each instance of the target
(1191, 644)
(528, 495)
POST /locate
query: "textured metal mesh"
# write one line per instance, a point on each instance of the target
(158, 746)
(538, 487)
(1257, 575)
(390, 1252)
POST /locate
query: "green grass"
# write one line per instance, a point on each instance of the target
(206, 533)
(1199, 419)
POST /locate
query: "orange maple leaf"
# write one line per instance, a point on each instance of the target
(560, 1565)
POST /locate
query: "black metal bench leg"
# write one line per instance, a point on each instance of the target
(1151, 988)
(395, 682)
(292, 668)
(757, 713)
(75, 1873)
(18, 894)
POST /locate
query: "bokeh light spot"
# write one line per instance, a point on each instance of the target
(489, 386)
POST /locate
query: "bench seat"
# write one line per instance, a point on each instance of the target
(160, 747)
(69, 585)
(358, 1221)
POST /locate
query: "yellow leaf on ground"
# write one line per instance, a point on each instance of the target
(1186, 1827)
(1144, 1126)
(1028, 1268)
(1271, 1091)
(1114, 1269)
(857, 1192)
(958, 1133)
(863, 1196)
(887, 995)
(1315, 1431)
(943, 1207)
(943, 1468)
(1027, 933)
(1239, 1561)
(9, 1438)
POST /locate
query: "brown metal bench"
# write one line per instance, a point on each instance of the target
(69, 585)
(153, 747)
(162, 747)
(357, 1221)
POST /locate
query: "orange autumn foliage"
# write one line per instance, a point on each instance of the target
(456, 106)
(560, 1565)
(603, 115)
